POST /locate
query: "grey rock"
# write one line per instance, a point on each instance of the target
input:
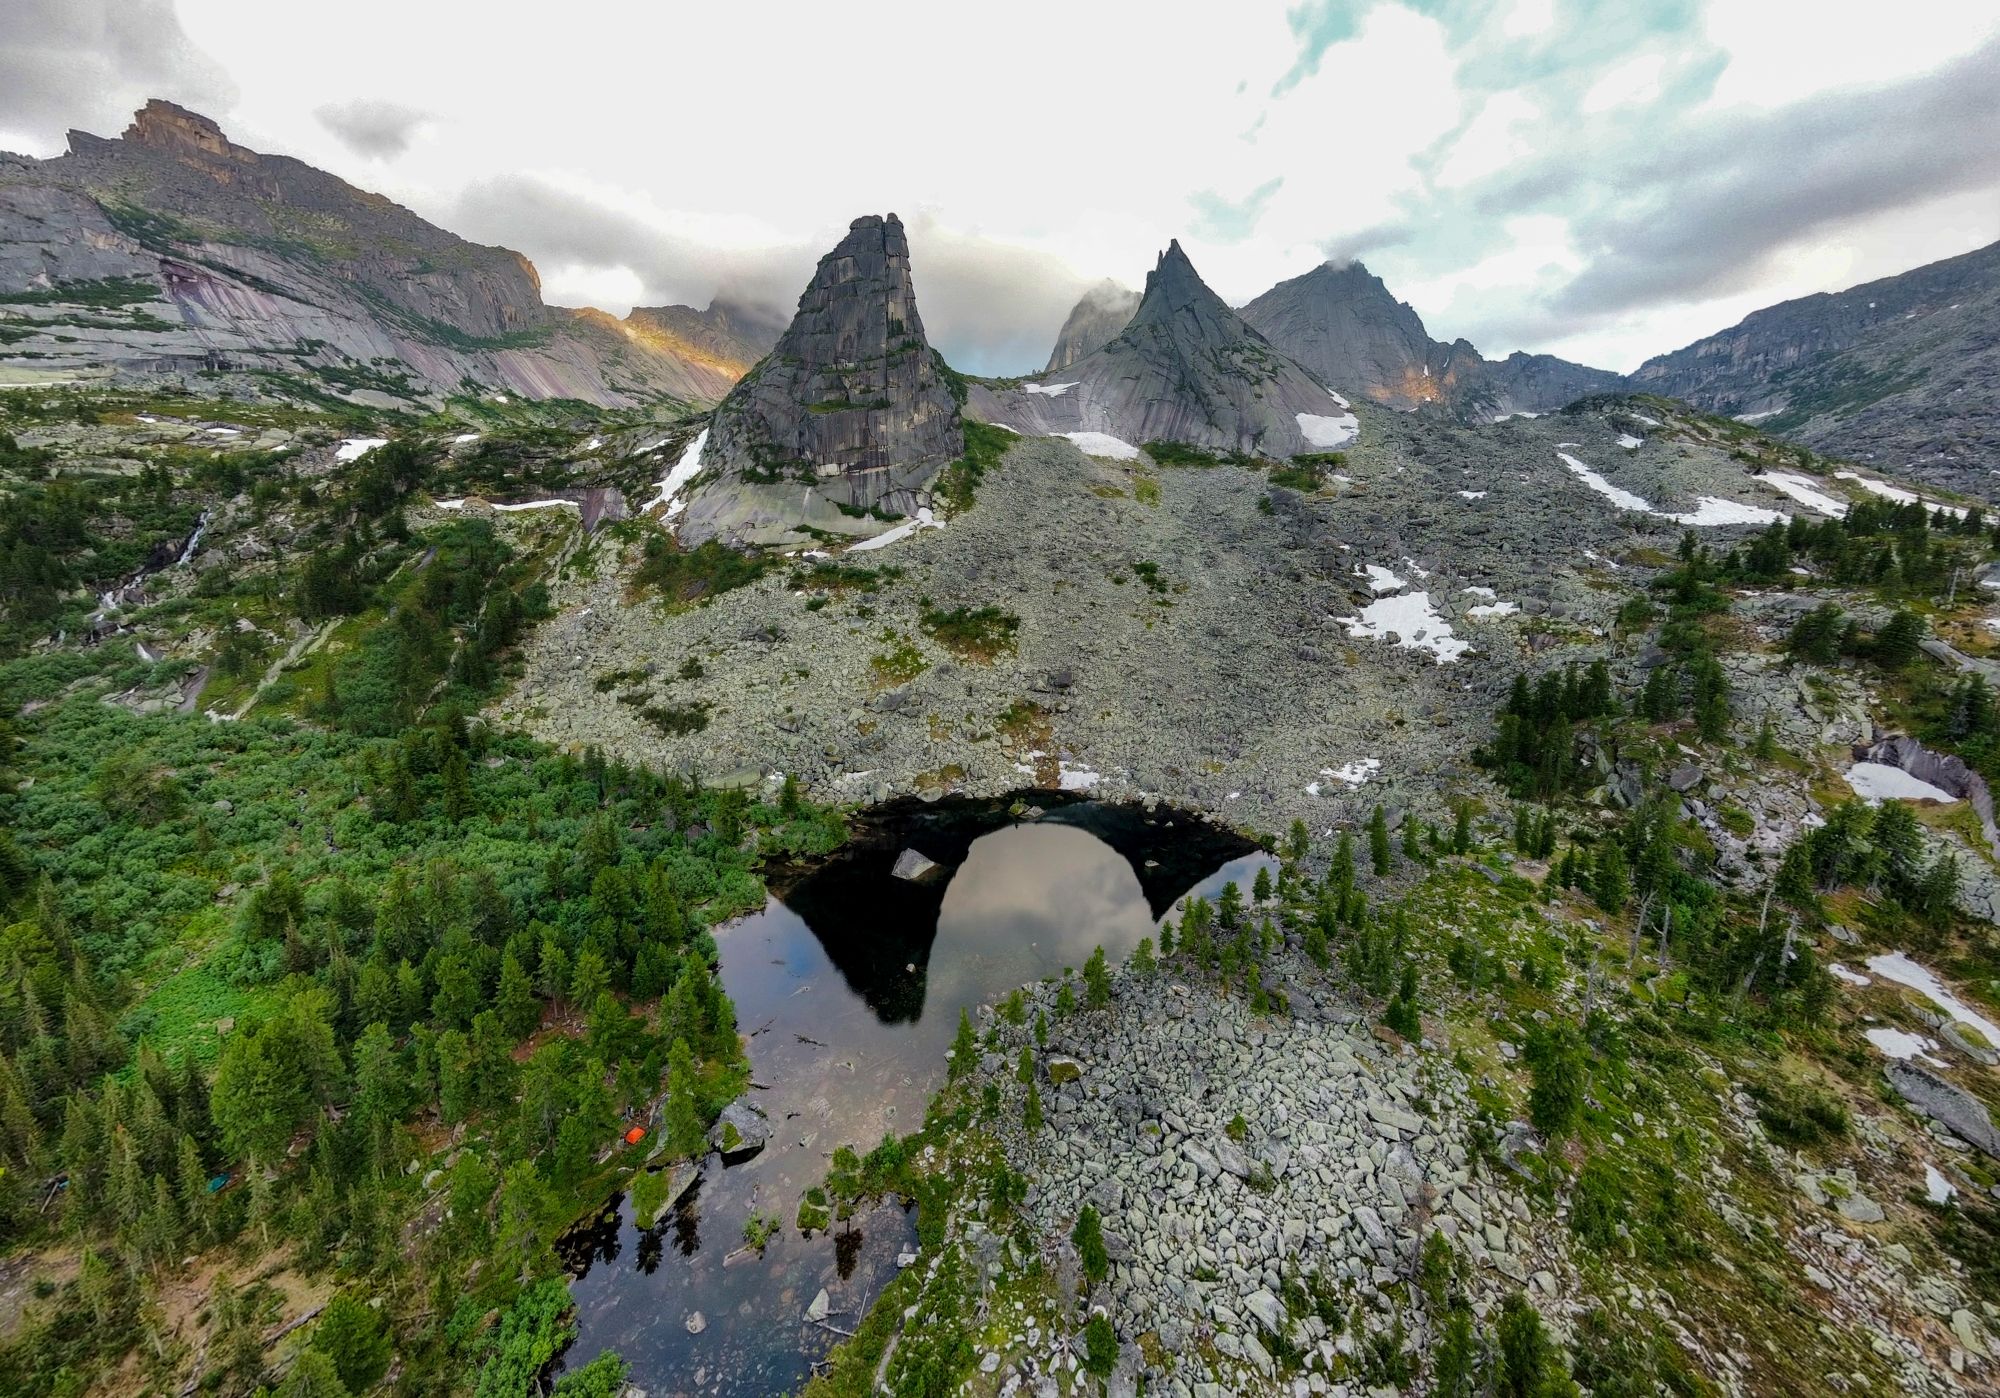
(850, 407)
(1950, 1106)
(1096, 319)
(740, 1132)
(914, 867)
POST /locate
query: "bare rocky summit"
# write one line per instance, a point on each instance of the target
(1186, 369)
(1344, 326)
(172, 251)
(852, 404)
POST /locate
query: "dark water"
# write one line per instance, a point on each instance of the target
(849, 984)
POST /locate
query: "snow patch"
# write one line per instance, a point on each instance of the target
(1051, 390)
(1472, 495)
(1078, 778)
(1488, 593)
(354, 448)
(683, 471)
(1709, 509)
(1413, 622)
(540, 505)
(1488, 610)
(1380, 579)
(1102, 444)
(1876, 782)
(1841, 973)
(1895, 966)
(924, 520)
(1900, 1044)
(1897, 493)
(1355, 773)
(1338, 399)
(1936, 1186)
(1329, 431)
(1754, 418)
(1629, 442)
(465, 437)
(1805, 490)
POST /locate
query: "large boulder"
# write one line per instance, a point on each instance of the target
(1950, 1106)
(740, 1132)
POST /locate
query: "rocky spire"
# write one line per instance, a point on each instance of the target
(851, 402)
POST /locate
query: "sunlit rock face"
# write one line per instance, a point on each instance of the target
(1346, 327)
(851, 407)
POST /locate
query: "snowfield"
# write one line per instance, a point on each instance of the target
(1102, 444)
(1897, 493)
(1709, 509)
(1897, 967)
(1806, 491)
(354, 448)
(1413, 623)
(1050, 390)
(1876, 782)
(1329, 432)
(924, 520)
(683, 471)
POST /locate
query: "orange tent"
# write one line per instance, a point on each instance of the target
(635, 1135)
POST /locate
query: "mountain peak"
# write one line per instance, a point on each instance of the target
(850, 404)
(173, 129)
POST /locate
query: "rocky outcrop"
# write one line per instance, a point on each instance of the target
(172, 250)
(851, 404)
(1185, 369)
(1344, 326)
(1903, 372)
(1103, 311)
(1944, 770)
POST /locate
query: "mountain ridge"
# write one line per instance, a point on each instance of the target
(171, 250)
(1901, 371)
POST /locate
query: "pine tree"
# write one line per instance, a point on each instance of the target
(1024, 1070)
(681, 1115)
(1088, 1235)
(1097, 979)
(1897, 643)
(1260, 887)
(353, 1337)
(964, 1047)
(1378, 840)
(1461, 831)
(1031, 1111)
(1610, 885)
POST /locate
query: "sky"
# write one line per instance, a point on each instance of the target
(1597, 179)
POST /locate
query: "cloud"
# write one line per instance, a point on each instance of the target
(90, 64)
(1701, 215)
(371, 128)
(991, 305)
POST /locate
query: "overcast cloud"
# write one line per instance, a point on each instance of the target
(1583, 177)
(375, 129)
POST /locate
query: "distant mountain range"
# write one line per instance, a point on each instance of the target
(174, 250)
(171, 251)
(1187, 369)
(1342, 325)
(1903, 372)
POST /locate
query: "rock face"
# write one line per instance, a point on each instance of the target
(1186, 369)
(729, 336)
(851, 403)
(1103, 311)
(1344, 326)
(172, 250)
(1903, 372)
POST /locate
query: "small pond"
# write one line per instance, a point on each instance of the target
(849, 985)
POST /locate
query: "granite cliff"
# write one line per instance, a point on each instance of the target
(852, 404)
